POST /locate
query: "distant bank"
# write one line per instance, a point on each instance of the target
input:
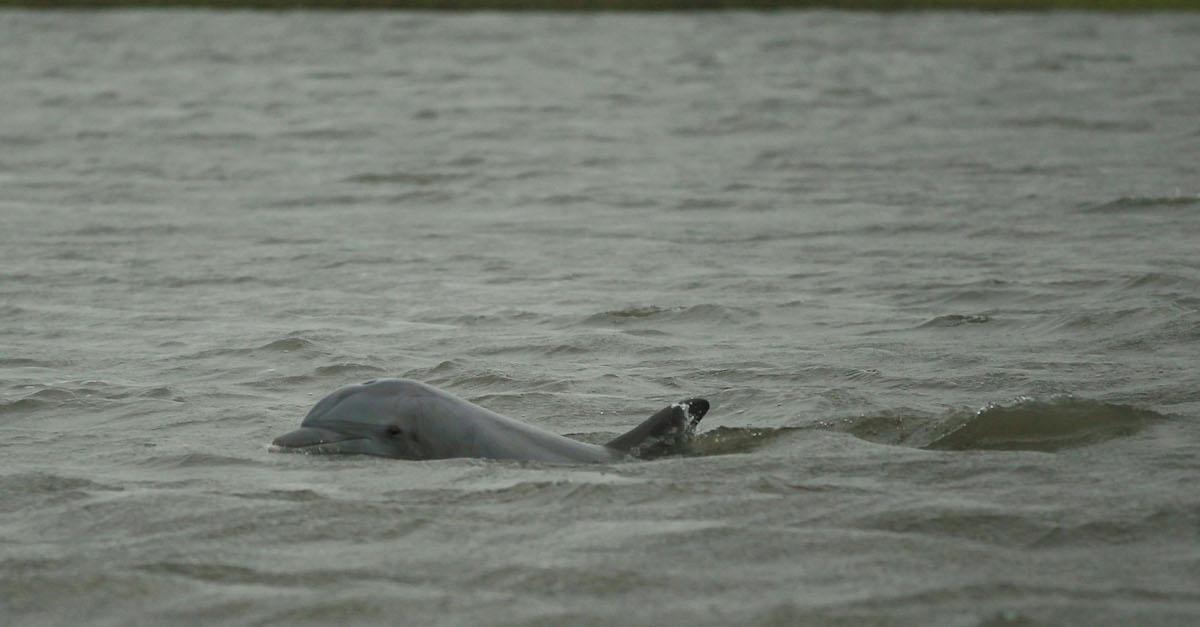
(628, 5)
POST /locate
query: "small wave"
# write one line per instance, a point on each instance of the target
(162, 392)
(25, 362)
(1159, 280)
(302, 495)
(991, 525)
(286, 241)
(1134, 204)
(69, 394)
(702, 204)
(231, 574)
(95, 230)
(1079, 124)
(565, 200)
(194, 460)
(695, 313)
(565, 349)
(1026, 425)
(475, 380)
(363, 261)
(279, 383)
(442, 369)
(510, 402)
(43, 483)
(955, 320)
(1090, 322)
(29, 490)
(402, 178)
(630, 312)
(596, 583)
(734, 440)
(180, 282)
(318, 201)
(22, 405)
(288, 345)
(1044, 425)
(21, 140)
(645, 332)
(1160, 521)
(895, 428)
(347, 369)
(328, 133)
(548, 492)
(214, 137)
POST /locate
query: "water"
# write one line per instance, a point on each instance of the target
(936, 272)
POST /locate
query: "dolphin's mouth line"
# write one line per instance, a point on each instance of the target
(312, 440)
(333, 446)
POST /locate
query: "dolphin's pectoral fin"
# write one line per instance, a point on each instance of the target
(667, 431)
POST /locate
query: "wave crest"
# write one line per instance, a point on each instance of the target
(708, 313)
(1034, 425)
(1024, 425)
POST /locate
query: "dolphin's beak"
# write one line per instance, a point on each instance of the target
(307, 439)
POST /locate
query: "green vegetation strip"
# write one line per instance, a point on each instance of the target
(628, 5)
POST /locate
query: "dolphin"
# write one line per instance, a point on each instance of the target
(407, 419)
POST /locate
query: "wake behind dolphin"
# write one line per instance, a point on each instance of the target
(408, 419)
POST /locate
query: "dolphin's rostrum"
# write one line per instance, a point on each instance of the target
(408, 419)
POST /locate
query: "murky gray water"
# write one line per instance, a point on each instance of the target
(938, 275)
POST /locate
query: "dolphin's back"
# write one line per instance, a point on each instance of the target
(456, 427)
(508, 439)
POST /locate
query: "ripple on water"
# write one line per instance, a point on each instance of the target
(340, 372)
(30, 491)
(1145, 204)
(348, 370)
(25, 362)
(301, 495)
(290, 344)
(82, 394)
(1177, 520)
(195, 460)
(403, 178)
(1152, 282)
(992, 525)
(955, 320)
(706, 313)
(736, 440)
(233, 574)
(1068, 123)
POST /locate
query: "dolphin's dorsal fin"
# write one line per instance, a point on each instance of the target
(666, 431)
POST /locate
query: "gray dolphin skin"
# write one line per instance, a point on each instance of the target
(407, 419)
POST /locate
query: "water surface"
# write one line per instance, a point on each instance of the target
(936, 272)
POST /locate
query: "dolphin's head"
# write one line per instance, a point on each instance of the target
(379, 417)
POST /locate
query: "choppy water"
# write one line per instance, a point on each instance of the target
(937, 273)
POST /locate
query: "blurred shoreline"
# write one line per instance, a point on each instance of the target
(625, 5)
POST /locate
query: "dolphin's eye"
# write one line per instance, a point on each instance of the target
(394, 430)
